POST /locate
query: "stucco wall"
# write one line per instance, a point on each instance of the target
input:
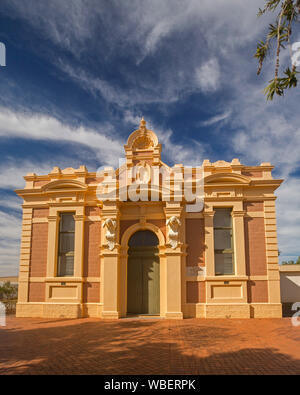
(290, 284)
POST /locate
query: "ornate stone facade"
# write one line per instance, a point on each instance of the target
(188, 285)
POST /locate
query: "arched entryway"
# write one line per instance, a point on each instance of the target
(143, 274)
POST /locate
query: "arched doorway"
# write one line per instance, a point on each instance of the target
(143, 279)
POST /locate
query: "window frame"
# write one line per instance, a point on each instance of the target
(59, 233)
(225, 250)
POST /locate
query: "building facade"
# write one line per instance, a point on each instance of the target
(132, 241)
(289, 288)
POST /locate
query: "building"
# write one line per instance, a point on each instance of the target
(90, 248)
(289, 287)
(13, 280)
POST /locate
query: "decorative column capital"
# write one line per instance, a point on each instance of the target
(209, 214)
(53, 218)
(107, 252)
(173, 208)
(170, 251)
(238, 213)
(79, 217)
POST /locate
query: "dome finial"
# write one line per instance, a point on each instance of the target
(142, 123)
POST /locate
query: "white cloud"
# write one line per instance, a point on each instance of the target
(42, 127)
(137, 29)
(130, 117)
(208, 76)
(190, 154)
(141, 22)
(270, 132)
(12, 173)
(50, 18)
(38, 127)
(10, 232)
(13, 203)
(217, 118)
(288, 216)
(263, 132)
(145, 93)
(267, 132)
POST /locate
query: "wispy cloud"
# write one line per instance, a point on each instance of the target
(12, 203)
(41, 127)
(189, 34)
(139, 21)
(159, 53)
(288, 216)
(217, 118)
(267, 132)
(10, 231)
(191, 153)
(208, 76)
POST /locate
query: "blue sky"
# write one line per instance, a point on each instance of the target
(81, 73)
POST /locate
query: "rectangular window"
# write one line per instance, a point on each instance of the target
(224, 260)
(66, 245)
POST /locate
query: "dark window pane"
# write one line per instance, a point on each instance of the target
(224, 263)
(66, 242)
(66, 245)
(66, 265)
(222, 218)
(222, 239)
(67, 222)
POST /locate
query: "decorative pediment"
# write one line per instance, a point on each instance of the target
(60, 185)
(222, 163)
(227, 178)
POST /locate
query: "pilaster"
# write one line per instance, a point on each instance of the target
(110, 265)
(209, 242)
(25, 255)
(79, 242)
(174, 267)
(239, 242)
(272, 252)
(53, 226)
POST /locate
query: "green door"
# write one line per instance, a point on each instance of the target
(143, 281)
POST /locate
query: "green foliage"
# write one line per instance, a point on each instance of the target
(269, 6)
(292, 262)
(279, 32)
(8, 291)
(279, 85)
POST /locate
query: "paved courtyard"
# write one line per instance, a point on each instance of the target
(149, 346)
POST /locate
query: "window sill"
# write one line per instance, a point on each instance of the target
(227, 277)
(63, 279)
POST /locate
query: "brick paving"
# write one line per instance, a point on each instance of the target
(149, 346)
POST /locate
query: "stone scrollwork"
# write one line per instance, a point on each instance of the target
(111, 232)
(173, 224)
(142, 142)
(143, 173)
